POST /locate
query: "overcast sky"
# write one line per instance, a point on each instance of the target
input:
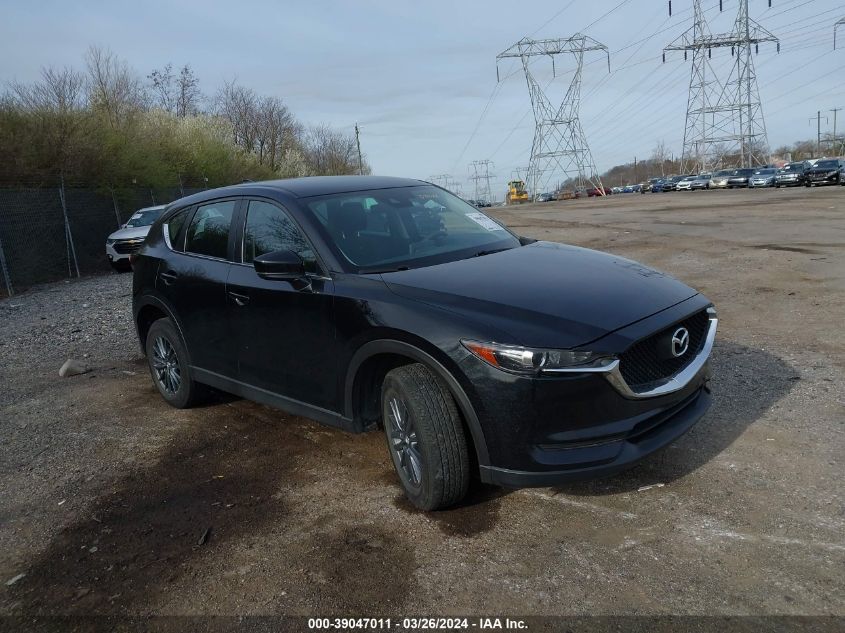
(420, 77)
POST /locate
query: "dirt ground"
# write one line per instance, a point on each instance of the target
(112, 502)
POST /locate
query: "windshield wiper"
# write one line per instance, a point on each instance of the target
(380, 271)
(490, 252)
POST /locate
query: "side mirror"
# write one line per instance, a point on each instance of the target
(279, 266)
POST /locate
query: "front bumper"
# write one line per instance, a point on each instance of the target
(567, 426)
(606, 459)
(823, 180)
(115, 257)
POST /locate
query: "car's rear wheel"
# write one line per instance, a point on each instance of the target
(425, 437)
(169, 368)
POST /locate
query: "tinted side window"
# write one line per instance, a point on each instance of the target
(269, 229)
(208, 232)
(173, 227)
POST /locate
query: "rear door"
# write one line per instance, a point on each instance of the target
(284, 329)
(193, 280)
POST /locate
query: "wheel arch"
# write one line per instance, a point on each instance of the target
(376, 358)
(148, 311)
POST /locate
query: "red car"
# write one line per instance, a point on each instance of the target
(598, 191)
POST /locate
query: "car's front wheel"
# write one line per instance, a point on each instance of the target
(425, 437)
(168, 360)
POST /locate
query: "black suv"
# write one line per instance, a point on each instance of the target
(791, 174)
(828, 171)
(367, 302)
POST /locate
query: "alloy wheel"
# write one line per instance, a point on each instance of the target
(165, 364)
(402, 437)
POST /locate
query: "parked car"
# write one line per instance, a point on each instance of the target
(825, 172)
(700, 182)
(739, 178)
(671, 184)
(719, 179)
(791, 175)
(763, 178)
(324, 297)
(657, 186)
(645, 186)
(685, 183)
(129, 237)
(545, 197)
(595, 192)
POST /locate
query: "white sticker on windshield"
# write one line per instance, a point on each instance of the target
(483, 220)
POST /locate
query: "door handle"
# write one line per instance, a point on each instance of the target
(168, 276)
(240, 299)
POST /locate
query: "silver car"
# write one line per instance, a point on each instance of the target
(128, 238)
(719, 180)
(763, 178)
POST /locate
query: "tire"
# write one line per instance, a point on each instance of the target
(428, 446)
(165, 345)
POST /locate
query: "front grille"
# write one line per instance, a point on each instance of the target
(127, 247)
(648, 362)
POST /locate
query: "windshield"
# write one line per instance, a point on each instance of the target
(144, 217)
(408, 227)
(793, 167)
(827, 164)
(764, 172)
(724, 172)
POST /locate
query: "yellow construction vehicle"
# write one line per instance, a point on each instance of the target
(516, 192)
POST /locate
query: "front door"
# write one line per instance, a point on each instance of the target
(284, 330)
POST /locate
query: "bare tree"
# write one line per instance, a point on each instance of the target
(113, 88)
(660, 155)
(188, 95)
(238, 105)
(161, 83)
(57, 104)
(331, 152)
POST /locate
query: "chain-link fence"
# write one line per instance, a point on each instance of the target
(47, 234)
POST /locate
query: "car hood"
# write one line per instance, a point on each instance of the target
(544, 294)
(130, 233)
(818, 171)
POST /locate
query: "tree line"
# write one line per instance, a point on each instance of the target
(106, 125)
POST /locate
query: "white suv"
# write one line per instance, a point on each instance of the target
(129, 237)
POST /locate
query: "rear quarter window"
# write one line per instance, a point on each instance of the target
(173, 229)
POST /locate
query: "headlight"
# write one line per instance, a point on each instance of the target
(110, 241)
(526, 360)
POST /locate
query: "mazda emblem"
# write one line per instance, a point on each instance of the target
(680, 342)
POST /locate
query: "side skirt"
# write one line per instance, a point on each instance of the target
(288, 405)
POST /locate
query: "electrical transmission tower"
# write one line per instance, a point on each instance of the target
(560, 149)
(441, 180)
(480, 175)
(724, 123)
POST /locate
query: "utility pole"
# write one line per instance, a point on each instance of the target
(834, 139)
(818, 119)
(636, 177)
(358, 143)
(724, 118)
(835, 27)
(559, 150)
(480, 175)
